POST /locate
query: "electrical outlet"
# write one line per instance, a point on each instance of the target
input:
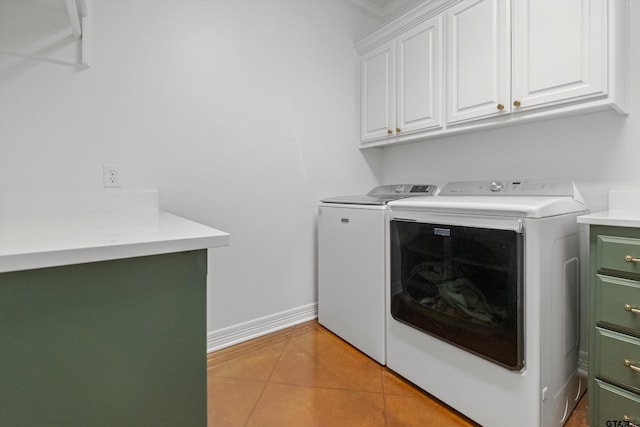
(111, 176)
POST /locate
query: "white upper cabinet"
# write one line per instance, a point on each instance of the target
(506, 62)
(540, 53)
(419, 86)
(378, 92)
(401, 89)
(559, 51)
(478, 59)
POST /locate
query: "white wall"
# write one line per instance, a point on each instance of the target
(595, 150)
(242, 113)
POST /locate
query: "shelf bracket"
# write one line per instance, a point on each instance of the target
(74, 18)
(81, 26)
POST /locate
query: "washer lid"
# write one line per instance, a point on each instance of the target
(359, 200)
(385, 193)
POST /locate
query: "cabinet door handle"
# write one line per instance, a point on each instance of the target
(389, 131)
(629, 258)
(627, 420)
(629, 364)
(627, 307)
(500, 107)
(516, 103)
(397, 130)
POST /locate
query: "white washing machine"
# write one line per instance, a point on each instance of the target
(483, 299)
(351, 265)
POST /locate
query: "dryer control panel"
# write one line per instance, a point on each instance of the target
(546, 188)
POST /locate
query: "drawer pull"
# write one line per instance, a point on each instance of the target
(629, 364)
(627, 420)
(627, 307)
(629, 258)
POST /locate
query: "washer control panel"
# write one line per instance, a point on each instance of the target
(403, 190)
(509, 188)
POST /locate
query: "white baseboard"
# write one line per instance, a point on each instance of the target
(236, 334)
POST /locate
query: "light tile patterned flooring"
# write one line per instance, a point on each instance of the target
(306, 376)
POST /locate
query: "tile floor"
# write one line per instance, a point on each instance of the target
(306, 376)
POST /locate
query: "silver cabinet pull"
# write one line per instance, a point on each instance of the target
(627, 307)
(629, 258)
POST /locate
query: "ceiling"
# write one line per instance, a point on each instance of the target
(383, 9)
(386, 9)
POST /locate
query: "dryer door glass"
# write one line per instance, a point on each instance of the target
(462, 285)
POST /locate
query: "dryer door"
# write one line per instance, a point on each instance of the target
(461, 283)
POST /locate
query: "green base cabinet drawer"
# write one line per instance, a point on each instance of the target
(613, 294)
(614, 406)
(618, 359)
(613, 252)
(614, 326)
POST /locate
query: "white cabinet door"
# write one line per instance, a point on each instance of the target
(478, 59)
(559, 51)
(378, 92)
(419, 84)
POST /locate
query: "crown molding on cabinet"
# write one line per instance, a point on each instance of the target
(386, 9)
(424, 11)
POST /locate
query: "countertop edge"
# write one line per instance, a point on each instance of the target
(615, 219)
(57, 258)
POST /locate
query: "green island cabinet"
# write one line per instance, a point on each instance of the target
(102, 312)
(614, 313)
(111, 343)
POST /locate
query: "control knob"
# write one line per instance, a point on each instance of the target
(399, 189)
(496, 187)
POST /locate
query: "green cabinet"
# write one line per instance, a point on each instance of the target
(112, 343)
(614, 349)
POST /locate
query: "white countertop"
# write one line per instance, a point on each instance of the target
(40, 230)
(624, 211)
(613, 218)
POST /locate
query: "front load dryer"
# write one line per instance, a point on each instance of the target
(483, 299)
